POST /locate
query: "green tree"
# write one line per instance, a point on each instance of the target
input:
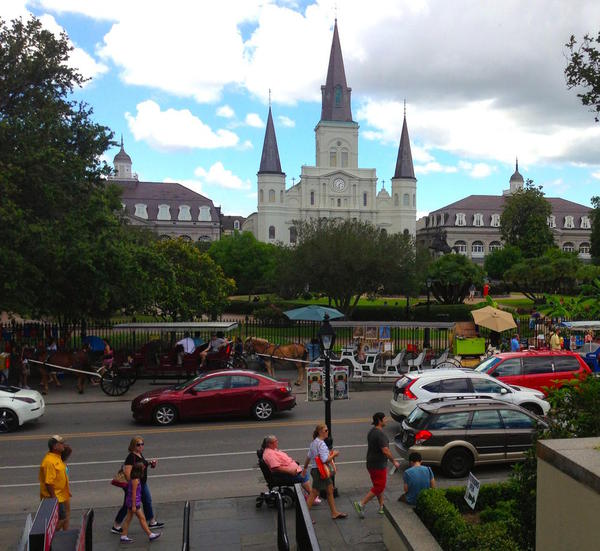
(248, 261)
(451, 276)
(524, 221)
(498, 262)
(345, 259)
(190, 283)
(63, 250)
(595, 238)
(583, 70)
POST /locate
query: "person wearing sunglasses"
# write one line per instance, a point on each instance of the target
(136, 456)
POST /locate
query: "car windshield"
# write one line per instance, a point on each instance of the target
(11, 389)
(487, 364)
(418, 418)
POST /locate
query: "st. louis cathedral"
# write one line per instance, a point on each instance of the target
(335, 187)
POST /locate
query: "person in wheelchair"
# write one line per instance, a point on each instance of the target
(280, 462)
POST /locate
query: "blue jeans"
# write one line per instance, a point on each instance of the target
(146, 504)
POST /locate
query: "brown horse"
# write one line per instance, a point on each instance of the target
(78, 359)
(282, 352)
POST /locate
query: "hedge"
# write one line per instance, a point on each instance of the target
(438, 510)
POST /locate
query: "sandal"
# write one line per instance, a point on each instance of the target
(339, 516)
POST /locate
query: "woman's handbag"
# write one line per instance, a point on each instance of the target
(325, 470)
(119, 480)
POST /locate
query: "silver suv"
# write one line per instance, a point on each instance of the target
(416, 388)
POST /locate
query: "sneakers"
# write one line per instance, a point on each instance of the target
(116, 530)
(381, 511)
(154, 536)
(317, 501)
(126, 539)
(155, 524)
(359, 509)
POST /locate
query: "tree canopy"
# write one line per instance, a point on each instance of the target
(451, 276)
(595, 237)
(524, 221)
(498, 262)
(583, 70)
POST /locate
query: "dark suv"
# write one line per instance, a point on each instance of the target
(458, 433)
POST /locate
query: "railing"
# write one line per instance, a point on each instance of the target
(185, 543)
(283, 543)
(306, 539)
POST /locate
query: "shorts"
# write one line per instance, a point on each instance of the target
(319, 483)
(62, 511)
(379, 480)
(301, 479)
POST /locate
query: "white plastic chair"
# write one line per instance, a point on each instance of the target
(418, 361)
(441, 359)
(397, 361)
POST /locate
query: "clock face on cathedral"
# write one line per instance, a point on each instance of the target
(338, 185)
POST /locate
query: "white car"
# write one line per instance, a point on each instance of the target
(415, 388)
(18, 405)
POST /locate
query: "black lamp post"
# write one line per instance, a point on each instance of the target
(429, 283)
(326, 340)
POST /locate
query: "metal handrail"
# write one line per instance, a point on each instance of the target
(185, 544)
(283, 543)
(306, 538)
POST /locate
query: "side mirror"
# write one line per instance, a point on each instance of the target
(503, 390)
(191, 390)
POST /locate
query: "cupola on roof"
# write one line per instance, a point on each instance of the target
(516, 177)
(121, 156)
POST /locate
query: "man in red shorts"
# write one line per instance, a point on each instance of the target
(378, 453)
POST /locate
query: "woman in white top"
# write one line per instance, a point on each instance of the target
(319, 448)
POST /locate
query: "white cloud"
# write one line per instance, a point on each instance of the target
(218, 175)
(421, 213)
(175, 129)
(596, 175)
(247, 144)
(252, 119)
(286, 121)
(477, 170)
(434, 166)
(226, 112)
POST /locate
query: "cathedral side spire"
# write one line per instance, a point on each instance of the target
(404, 162)
(269, 161)
(335, 93)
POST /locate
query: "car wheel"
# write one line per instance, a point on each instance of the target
(263, 410)
(165, 415)
(534, 408)
(457, 463)
(8, 420)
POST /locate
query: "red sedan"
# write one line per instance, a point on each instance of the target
(221, 393)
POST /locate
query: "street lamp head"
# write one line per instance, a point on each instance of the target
(429, 283)
(326, 335)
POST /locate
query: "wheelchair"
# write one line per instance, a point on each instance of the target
(279, 482)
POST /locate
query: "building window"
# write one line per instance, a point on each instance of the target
(164, 212)
(585, 223)
(293, 234)
(185, 237)
(551, 221)
(141, 210)
(332, 158)
(477, 249)
(164, 237)
(339, 202)
(495, 246)
(414, 200)
(271, 232)
(204, 238)
(438, 220)
(460, 219)
(184, 213)
(344, 158)
(460, 247)
(365, 199)
(406, 200)
(569, 222)
(338, 96)
(495, 223)
(204, 214)
(312, 197)
(281, 196)
(568, 247)
(584, 248)
(271, 196)
(261, 196)
(396, 200)
(478, 219)
(236, 224)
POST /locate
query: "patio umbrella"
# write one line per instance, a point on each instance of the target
(96, 343)
(494, 319)
(313, 312)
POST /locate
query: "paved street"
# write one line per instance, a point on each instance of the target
(197, 461)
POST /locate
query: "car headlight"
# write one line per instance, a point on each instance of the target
(145, 400)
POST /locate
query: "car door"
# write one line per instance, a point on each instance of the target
(510, 371)
(205, 397)
(565, 368)
(520, 429)
(488, 435)
(241, 395)
(538, 372)
(488, 387)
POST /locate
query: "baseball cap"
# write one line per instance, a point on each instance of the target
(58, 438)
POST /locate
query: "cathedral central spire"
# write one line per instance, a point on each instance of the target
(336, 94)
(404, 162)
(269, 162)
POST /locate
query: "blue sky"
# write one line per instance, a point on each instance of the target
(186, 83)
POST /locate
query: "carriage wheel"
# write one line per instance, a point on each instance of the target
(114, 384)
(237, 362)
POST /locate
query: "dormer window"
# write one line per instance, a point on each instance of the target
(551, 220)
(478, 219)
(236, 224)
(585, 223)
(184, 213)
(164, 212)
(461, 219)
(204, 214)
(141, 211)
(495, 223)
(569, 224)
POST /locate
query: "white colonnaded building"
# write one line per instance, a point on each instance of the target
(335, 187)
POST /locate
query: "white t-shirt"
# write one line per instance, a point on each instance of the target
(317, 447)
(188, 344)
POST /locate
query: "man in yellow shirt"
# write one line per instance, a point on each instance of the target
(555, 340)
(54, 481)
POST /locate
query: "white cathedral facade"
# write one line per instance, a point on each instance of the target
(336, 187)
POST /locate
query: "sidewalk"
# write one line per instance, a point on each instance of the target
(229, 524)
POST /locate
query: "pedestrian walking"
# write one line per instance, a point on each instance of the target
(133, 500)
(416, 479)
(318, 449)
(378, 453)
(135, 457)
(54, 481)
